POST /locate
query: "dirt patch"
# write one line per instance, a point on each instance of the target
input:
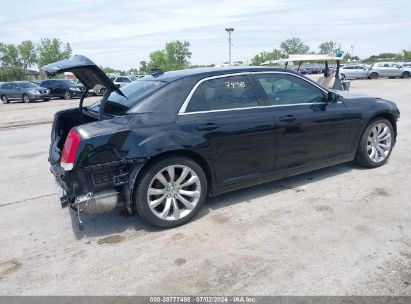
(381, 192)
(111, 239)
(180, 261)
(220, 218)
(9, 267)
(323, 208)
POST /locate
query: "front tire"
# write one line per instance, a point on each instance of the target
(26, 98)
(406, 74)
(171, 191)
(67, 95)
(373, 75)
(376, 144)
(4, 99)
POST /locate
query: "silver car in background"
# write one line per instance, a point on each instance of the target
(388, 69)
(354, 71)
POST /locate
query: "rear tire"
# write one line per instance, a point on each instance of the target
(171, 202)
(5, 99)
(26, 98)
(343, 77)
(376, 143)
(373, 75)
(406, 74)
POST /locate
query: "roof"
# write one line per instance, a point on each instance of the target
(206, 72)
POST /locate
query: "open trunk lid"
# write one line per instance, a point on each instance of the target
(84, 69)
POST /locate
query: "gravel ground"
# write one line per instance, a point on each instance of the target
(337, 231)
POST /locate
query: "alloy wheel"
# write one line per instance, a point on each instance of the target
(67, 95)
(174, 192)
(26, 99)
(4, 99)
(379, 142)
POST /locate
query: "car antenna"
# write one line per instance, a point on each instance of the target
(156, 72)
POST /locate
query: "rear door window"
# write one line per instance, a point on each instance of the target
(222, 93)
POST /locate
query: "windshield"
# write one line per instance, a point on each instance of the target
(135, 92)
(28, 85)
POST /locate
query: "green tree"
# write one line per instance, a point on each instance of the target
(28, 54)
(384, 57)
(175, 56)
(329, 47)
(294, 46)
(143, 69)
(267, 56)
(11, 64)
(406, 54)
(52, 50)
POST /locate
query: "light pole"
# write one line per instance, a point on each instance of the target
(352, 51)
(229, 30)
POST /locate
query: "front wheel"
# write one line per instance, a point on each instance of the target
(376, 144)
(373, 75)
(26, 98)
(406, 74)
(171, 191)
(4, 99)
(67, 95)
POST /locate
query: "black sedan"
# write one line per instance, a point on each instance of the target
(63, 88)
(163, 144)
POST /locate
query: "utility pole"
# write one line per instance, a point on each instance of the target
(352, 51)
(229, 30)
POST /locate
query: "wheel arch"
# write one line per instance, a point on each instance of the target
(390, 117)
(196, 157)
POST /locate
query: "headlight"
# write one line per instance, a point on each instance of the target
(74, 89)
(34, 92)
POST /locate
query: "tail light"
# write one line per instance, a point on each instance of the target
(68, 156)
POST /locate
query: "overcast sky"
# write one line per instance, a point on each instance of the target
(122, 33)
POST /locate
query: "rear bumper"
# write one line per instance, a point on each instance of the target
(99, 186)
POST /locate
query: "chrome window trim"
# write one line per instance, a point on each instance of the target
(183, 108)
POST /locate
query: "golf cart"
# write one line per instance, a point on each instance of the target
(329, 79)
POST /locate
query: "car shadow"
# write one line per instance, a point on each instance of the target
(118, 221)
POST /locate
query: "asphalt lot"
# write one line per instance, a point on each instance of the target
(337, 231)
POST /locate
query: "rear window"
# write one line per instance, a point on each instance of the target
(135, 92)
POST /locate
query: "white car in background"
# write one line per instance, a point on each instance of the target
(354, 71)
(122, 80)
(388, 69)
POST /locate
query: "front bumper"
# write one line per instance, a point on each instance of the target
(76, 93)
(39, 96)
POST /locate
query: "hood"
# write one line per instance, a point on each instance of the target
(84, 69)
(351, 95)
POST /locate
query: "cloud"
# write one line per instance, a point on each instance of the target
(120, 34)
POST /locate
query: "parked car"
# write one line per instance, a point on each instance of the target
(165, 143)
(354, 71)
(23, 90)
(388, 69)
(122, 80)
(406, 65)
(63, 88)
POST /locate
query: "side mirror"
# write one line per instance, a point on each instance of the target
(333, 97)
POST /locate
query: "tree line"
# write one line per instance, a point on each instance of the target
(15, 60)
